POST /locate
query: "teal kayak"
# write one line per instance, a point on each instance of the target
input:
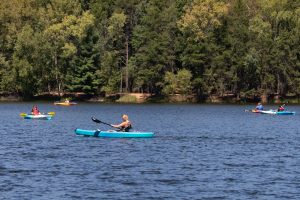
(45, 117)
(274, 112)
(113, 134)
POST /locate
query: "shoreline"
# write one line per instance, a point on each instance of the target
(145, 98)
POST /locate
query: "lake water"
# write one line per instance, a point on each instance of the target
(198, 152)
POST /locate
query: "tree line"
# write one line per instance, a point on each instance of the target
(165, 47)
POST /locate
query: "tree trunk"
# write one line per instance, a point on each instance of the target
(121, 82)
(277, 96)
(126, 65)
(49, 88)
(278, 85)
(59, 89)
(264, 98)
(57, 74)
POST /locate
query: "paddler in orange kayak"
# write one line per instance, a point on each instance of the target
(259, 107)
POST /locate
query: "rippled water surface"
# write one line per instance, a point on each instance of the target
(198, 152)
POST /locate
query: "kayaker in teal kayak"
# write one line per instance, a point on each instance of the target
(35, 110)
(259, 107)
(125, 126)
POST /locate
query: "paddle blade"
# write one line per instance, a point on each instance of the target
(96, 120)
(51, 113)
(23, 114)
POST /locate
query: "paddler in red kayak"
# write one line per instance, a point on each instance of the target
(35, 110)
(125, 126)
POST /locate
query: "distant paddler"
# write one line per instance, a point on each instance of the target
(259, 107)
(65, 102)
(281, 108)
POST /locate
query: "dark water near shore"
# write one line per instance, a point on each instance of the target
(199, 152)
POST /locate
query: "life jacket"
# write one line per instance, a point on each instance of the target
(260, 107)
(35, 111)
(127, 128)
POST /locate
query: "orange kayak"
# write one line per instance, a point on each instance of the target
(256, 111)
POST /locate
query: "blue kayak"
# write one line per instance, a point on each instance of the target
(45, 117)
(275, 112)
(113, 134)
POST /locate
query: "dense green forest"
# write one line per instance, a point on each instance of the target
(163, 47)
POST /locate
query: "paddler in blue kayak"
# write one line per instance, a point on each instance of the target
(125, 126)
(259, 107)
(280, 108)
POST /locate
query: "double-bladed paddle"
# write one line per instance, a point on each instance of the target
(49, 113)
(100, 122)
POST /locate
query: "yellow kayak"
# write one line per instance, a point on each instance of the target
(65, 103)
